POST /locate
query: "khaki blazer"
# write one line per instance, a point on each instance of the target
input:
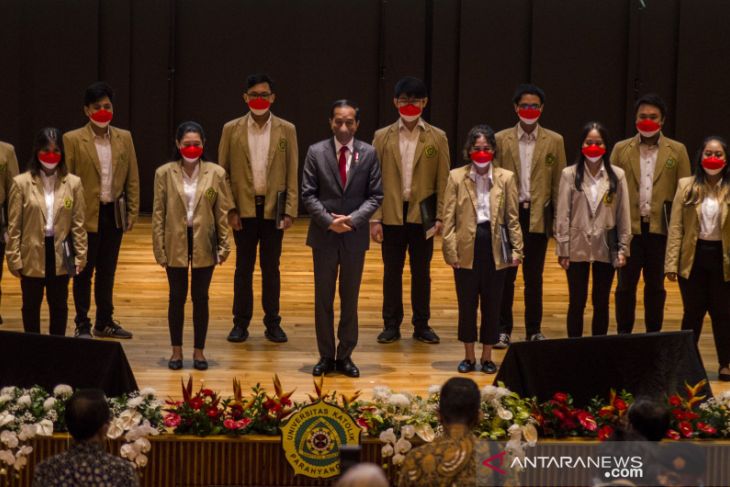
(27, 222)
(431, 164)
(170, 216)
(582, 235)
(460, 216)
(282, 170)
(672, 163)
(548, 161)
(8, 170)
(684, 230)
(83, 161)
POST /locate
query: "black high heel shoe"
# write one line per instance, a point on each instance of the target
(175, 364)
(200, 364)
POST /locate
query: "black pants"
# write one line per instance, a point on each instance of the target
(707, 291)
(2, 257)
(200, 279)
(480, 287)
(578, 273)
(257, 232)
(647, 255)
(56, 288)
(328, 263)
(533, 265)
(396, 240)
(102, 256)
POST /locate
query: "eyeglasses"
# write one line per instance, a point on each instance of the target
(258, 95)
(530, 106)
(409, 101)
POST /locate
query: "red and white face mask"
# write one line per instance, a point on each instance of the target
(593, 152)
(481, 158)
(191, 153)
(101, 118)
(48, 159)
(648, 128)
(259, 106)
(529, 116)
(713, 165)
(410, 112)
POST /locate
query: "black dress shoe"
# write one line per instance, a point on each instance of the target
(324, 366)
(465, 366)
(238, 334)
(389, 334)
(489, 367)
(426, 335)
(275, 334)
(111, 329)
(348, 367)
(174, 364)
(200, 364)
(723, 377)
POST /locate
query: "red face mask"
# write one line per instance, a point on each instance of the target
(481, 156)
(593, 151)
(259, 104)
(409, 110)
(529, 113)
(713, 163)
(647, 125)
(102, 116)
(191, 151)
(51, 158)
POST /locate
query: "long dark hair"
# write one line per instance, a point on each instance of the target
(698, 190)
(185, 128)
(47, 136)
(580, 160)
(481, 130)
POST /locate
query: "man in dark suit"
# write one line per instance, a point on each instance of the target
(341, 189)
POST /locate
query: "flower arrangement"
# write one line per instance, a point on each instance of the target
(135, 417)
(558, 417)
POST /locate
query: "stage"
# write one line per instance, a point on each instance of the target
(141, 306)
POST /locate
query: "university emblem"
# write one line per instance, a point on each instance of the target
(670, 163)
(430, 151)
(282, 145)
(68, 203)
(210, 193)
(550, 159)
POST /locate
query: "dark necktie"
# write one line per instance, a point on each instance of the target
(343, 165)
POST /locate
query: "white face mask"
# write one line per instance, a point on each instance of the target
(101, 125)
(190, 161)
(648, 135)
(258, 113)
(529, 121)
(50, 167)
(594, 159)
(713, 172)
(480, 165)
(409, 118)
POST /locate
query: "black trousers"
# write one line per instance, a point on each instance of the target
(533, 265)
(257, 232)
(397, 239)
(102, 257)
(56, 288)
(328, 263)
(480, 287)
(647, 256)
(707, 291)
(578, 273)
(200, 279)
(2, 257)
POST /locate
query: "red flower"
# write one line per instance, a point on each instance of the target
(286, 401)
(196, 403)
(213, 413)
(606, 412)
(172, 420)
(587, 420)
(559, 414)
(675, 400)
(363, 423)
(706, 428)
(243, 423)
(605, 433)
(686, 429)
(560, 397)
(620, 404)
(679, 414)
(673, 435)
(229, 424)
(207, 392)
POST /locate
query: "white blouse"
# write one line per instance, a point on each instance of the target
(190, 186)
(49, 186)
(710, 219)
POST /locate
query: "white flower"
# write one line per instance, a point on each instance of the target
(425, 432)
(24, 401)
(129, 418)
(387, 451)
(62, 390)
(408, 431)
(8, 391)
(5, 398)
(25, 450)
(135, 402)
(115, 430)
(44, 428)
(27, 432)
(399, 401)
(143, 430)
(505, 414)
(20, 462)
(7, 457)
(398, 459)
(147, 391)
(9, 439)
(434, 389)
(128, 451)
(141, 460)
(381, 393)
(143, 444)
(403, 446)
(6, 418)
(49, 403)
(530, 434)
(388, 436)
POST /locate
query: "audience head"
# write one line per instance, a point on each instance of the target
(87, 415)
(459, 402)
(649, 419)
(363, 475)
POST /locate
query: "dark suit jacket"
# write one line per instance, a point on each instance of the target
(323, 194)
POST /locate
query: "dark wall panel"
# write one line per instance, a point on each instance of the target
(11, 104)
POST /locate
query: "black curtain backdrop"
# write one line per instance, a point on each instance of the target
(176, 60)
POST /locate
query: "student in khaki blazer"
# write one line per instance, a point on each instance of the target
(537, 156)
(45, 214)
(414, 158)
(8, 170)
(653, 164)
(593, 210)
(104, 158)
(190, 229)
(698, 247)
(479, 199)
(259, 152)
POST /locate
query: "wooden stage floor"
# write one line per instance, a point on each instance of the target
(141, 306)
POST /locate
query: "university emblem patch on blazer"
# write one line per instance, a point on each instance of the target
(68, 203)
(550, 159)
(670, 163)
(210, 193)
(608, 199)
(3, 167)
(282, 145)
(430, 151)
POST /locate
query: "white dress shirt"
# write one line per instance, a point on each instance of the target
(483, 184)
(710, 219)
(49, 188)
(407, 141)
(594, 183)
(526, 143)
(350, 149)
(259, 140)
(103, 145)
(190, 186)
(647, 161)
